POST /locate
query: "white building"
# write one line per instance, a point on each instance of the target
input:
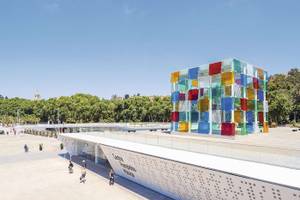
(184, 167)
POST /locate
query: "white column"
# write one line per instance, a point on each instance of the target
(96, 153)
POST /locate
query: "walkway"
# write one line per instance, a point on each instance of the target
(44, 175)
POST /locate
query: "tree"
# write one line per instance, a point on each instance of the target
(284, 96)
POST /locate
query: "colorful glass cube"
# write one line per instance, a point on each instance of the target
(223, 98)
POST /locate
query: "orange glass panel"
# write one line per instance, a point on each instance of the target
(175, 77)
(250, 94)
(266, 127)
(227, 78)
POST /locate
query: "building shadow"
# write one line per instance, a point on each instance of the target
(103, 170)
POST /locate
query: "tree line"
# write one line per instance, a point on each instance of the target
(84, 108)
(283, 97)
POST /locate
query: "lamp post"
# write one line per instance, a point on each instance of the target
(18, 116)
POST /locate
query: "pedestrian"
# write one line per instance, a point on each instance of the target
(41, 147)
(83, 164)
(70, 167)
(26, 149)
(83, 175)
(111, 177)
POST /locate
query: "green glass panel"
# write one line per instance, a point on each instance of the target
(237, 66)
(216, 80)
(216, 92)
(237, 103)
(265, 85)
(260, 106)
(266, 117)
(216, 128)
(243, 129)
(182, 86)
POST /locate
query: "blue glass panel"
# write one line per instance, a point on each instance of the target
(204, 127)
(204, 116)
(250, 116)
(174, 126)
(250, 128)
(244, 80)
(193, 73)
(260, 95)
(175, 97)
(227, 103)
(194, 116)
(182, 116)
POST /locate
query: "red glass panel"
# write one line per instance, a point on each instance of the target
(228, 129)
(255, 83)
(261, 117)
(181, 97)
(215, 68)
(243, 104)
(175, 116)
(193, 94)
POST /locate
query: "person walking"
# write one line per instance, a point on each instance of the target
(41, 147)
(83, 175)
(70, 167)
(111, 177)
(83, 164)
(26, 149)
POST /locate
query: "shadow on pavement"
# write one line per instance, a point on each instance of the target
(103, 171)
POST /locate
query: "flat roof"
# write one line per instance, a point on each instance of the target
(125, 126)
(274, 174)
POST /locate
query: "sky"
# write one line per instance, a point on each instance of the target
(106, 47)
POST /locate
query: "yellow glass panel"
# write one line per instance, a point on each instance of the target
(238, 117)
(203, 105)
(227, 90)
(227, 78)
(195, 83)
(183, 127)
(250, 94)
(175, 77)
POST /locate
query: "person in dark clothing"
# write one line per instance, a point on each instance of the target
(41, 147)
(111, 177)
(70, 167)
(26, 149)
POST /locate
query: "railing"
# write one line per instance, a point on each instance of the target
(273, 155)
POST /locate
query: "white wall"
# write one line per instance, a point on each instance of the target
(183, 181)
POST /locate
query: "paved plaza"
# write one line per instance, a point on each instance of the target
(44, 175)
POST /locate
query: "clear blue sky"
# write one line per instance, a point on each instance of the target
(106, 47)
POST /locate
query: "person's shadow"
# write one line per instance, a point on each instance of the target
(103, 170)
